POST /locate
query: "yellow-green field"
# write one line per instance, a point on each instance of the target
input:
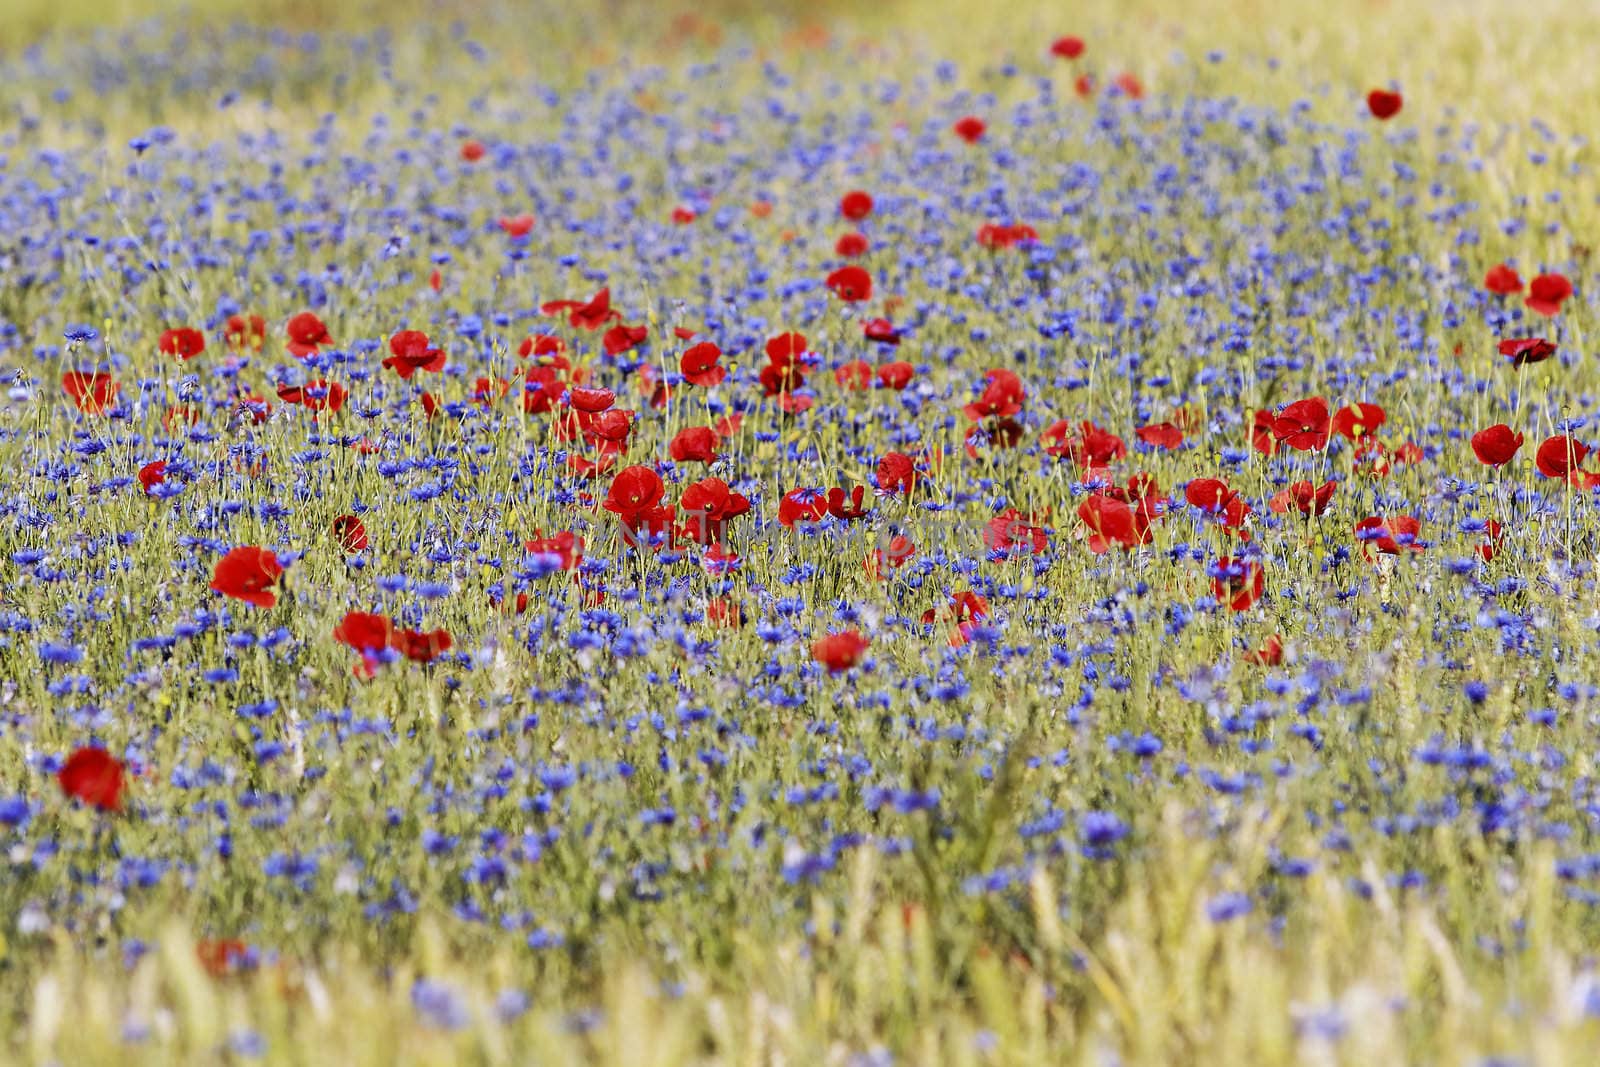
(639, 817)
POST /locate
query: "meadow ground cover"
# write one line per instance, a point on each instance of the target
(599, 534)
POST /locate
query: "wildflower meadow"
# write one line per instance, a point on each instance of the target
(827, 534)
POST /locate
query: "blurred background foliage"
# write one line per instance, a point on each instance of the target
(1490, 60)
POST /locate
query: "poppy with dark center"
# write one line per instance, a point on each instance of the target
(248, 573)
(839, 652)
(1524, 350)
(1358, 420)
(307, 335)
(184, 342)
(635, 498)
(581, 315)
(91, 392)
(93, 776)
(850, 284)
(1218, 502)
(351, 533)
(1304, 425)
(1502, 280)
(1547, 292)
(855, 205)
(851, 511)
(1237, 583)
(410, 352)
(970, 128)
(1495, 446)
(707, 507)
(802, 505)
(1002, 396)
(699, 365)
(1383, 104)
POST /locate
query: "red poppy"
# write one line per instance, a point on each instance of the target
(1012, 530)
(245, 331)
(1162, 435)
(1067, 47)
(969, 128)
(897, 473)
(1130, 85)
(855, 375)
(841, 651)
(1269, 654)
(725, 612)
(306, 335)
(419, 646)
(896, 554)
(896, 375)
(850, 284)
(472, 150)
(1108, 522)
(1002, 396)
(1383, 104)
(881, 331)
(1083, 85)
(1303, 425)
(350, 532)
(1089, 448)
(993, 237)
(410, 352)
(1309, 499)
(1546, 292)
(152, 474)
(708, 506)
(592, 401)
(761, 208)
(802, 505)
(1237, 582)
(1524, 350)
(92, 392)
(1219, 503)
(1263, 437)
(364, 632)
(1494, 534)
(635, 497)
(94, 777)
(584, 316)
(852, 245)
(683, 215)
(248, 573)
(620, 339)
(1389, 536)
(1495, 446)
(699, 365)
(542, 345)
(319, 395)
(1358, 420)
(1502, 280)
(1562, 457)
(220, 958)
(517, 226)
(184, 342)
(855, 205)
(697, 444)
(565, 544)
(847, 512)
